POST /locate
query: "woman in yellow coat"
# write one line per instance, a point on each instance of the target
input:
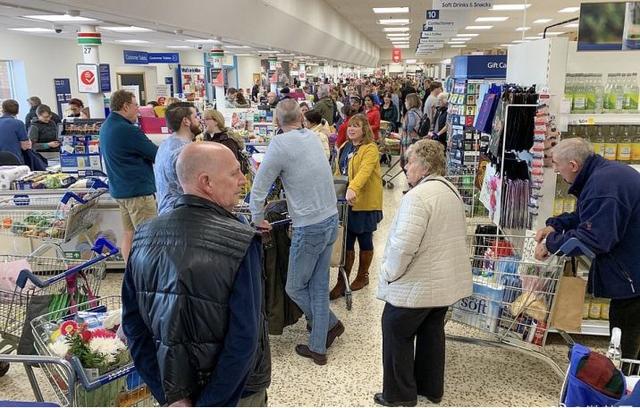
(359, 159)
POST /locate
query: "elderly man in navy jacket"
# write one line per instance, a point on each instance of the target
(607, 221)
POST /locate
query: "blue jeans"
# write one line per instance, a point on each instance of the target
(308, 277)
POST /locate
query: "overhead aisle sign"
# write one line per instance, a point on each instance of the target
(462, 4)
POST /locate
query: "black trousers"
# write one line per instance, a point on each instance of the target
(410, 371)
(625, 314)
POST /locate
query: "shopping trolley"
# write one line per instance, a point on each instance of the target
(116, 384)
(48, 217)
(44, 284)
(387, 146)
(339, 254)
(396, 167)
(513, 294)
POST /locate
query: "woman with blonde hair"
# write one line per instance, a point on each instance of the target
(358, 159)
(217, 131)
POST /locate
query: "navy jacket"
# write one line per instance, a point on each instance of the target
(128, 156)
(607, 220)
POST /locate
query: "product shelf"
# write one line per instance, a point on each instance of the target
(592, 328)
(604, 118)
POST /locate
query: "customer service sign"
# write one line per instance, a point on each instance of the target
(462, 4)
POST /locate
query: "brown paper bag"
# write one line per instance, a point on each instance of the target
(567, 311)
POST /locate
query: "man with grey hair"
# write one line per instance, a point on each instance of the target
(607, 221)
(297, 157)
(325, 106)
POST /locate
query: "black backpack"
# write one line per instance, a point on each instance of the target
(424, 124)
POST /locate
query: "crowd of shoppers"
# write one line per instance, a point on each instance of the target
(177, 206)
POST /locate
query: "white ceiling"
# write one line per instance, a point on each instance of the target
(360, 13)
(232, 22)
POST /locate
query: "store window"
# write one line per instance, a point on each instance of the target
(6, 80)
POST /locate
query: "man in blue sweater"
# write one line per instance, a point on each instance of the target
(607, 221)
(128, 156)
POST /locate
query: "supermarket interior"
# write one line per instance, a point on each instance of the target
(319, 203)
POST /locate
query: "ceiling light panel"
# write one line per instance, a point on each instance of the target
(125, 29)
(390, 10)
(179, 47)
(395, 29)
(398, 34)
(237, 46)
(542, 21)
(479, 27)
(207, 41)
(468, 35)
(509, 7)
(268, 52)
(523, 28)
(394, 21)
(533, 38)
(552, 33)
(60, 18)
(33, 30)
(569, 10)
(458, 46)
(133, 41)
(404, 46)
(490, 19)
(460, 39)
(572, 25)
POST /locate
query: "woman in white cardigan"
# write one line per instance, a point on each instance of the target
(425, 269)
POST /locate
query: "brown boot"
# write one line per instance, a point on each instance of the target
(338, 290)
(362, 279)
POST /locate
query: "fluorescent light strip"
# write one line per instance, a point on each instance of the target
(572, 25)
(569, 10)
(236, 46)
(33, 30)
(207, 41)
(179, 47)
(59, 18)
(468, 35)
(395, 29)
(398, 34)
(490, 19)
(390, 10)
(410, 61)
(542, 21)
(523, 28)
(133, 41)
(520, 41)
(460, 39)
(506, 45)
(268, 52)
(401, 46)
(509, 7)
(394, 21)
(482, 27)
(458, 46)
(552, 33)
(125, 29)
(538, 37)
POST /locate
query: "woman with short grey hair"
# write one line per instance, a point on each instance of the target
(424, 270)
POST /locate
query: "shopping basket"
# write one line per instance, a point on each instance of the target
(115, 384)
(577, 393)
(34, 285)
(513, 294)
(48, 217)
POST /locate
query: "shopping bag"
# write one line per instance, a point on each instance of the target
(567, 311)
(336, 254)
(35, 160)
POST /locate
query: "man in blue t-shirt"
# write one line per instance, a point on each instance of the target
(13, 135)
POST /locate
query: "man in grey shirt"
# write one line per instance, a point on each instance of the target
(297, 157)
(183, 120)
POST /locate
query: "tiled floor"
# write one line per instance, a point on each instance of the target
(476, 374)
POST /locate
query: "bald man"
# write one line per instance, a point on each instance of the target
(192, 298)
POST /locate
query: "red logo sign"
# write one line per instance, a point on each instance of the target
(396, 55)
(87, 77)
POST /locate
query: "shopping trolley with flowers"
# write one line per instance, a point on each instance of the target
(33, 285)
(88, 335)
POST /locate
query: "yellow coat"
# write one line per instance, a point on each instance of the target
(365, 178)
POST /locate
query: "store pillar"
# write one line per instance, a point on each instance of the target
(89, 39)
(273, 75)
(216, 58)
(302, 73)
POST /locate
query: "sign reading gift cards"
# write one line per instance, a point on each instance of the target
(462, 4)
(88, 78)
